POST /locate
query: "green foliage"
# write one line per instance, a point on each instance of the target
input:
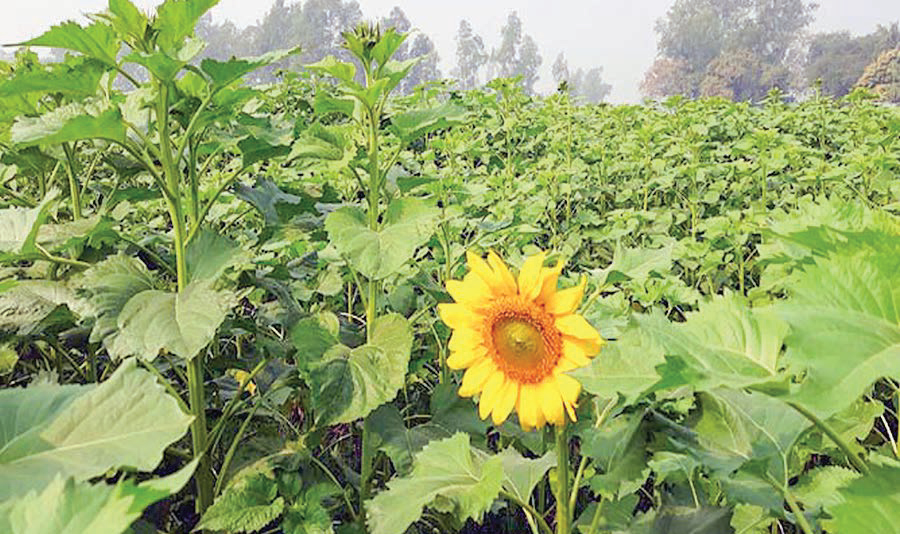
(869, 503)
(246, 506)
(447, 475)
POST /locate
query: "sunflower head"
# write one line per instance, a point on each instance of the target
(516, 337)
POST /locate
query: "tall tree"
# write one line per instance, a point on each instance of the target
(560, 69)
(517, 54)
(321, 24)
(592, 88)
(839, 59)
(470, 56)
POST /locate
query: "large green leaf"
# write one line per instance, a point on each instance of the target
(182, 323)
(81, 508)
(344, 71)
(619, 452)
(97, 40)
(521, 475)
(223, 73)
(209, 254)
(248, 505)
(71, 122)
(33, 306)
(845, 328)
(738, 429)
(175, 20)
(626, 366)
(871, 503)
(353, 382)
(725, 343)
(636, 263)
(411, 125)
(80, 78)
(19, 228)
(408, 224)
(389, 434)
(108, 285)
(447, 470)
(127, 421)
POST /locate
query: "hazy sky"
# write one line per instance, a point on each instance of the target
(615, 34)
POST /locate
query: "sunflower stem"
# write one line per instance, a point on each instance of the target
(562, 480)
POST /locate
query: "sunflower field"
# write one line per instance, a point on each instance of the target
(320, 307)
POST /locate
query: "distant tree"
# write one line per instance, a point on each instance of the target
(838, 59)
(560, 69)
(517, 54)
(321, 24)
(883, 76)
(667, 77)
(592, 88)
(470, 56)
(742, 75)
(416, 46)
(719, 42)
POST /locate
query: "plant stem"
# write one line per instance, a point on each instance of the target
(562, 480)
(74, 192)
(857, 462)
(203, 475)
(529, 510)
(800, 519)
(595, 521)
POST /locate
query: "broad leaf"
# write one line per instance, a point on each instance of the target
(447, 470)
(353, 382)
(248, 505)
(182, 323)
(871, 504)
(209, 254)
(82, 508)
(81, 78)
(619, 453)
(108, 286)
(127, 421)
(845, 328)
(71, 122)
(97, 40)
(521, 475)
(725, 343)
(401, 444)
(408, 224)
(411, 125)
(636, 264)
(19, 228)
(175, 20)
(223, 73)
(344, 71)
(626, 366)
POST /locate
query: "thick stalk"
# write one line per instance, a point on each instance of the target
(857, 462)
(365, 470)
(74, 191)
(562, 482)
(799, 518)
(197, 397)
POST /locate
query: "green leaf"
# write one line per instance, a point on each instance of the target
(353, 382)
(71, 122)
(160, 65)
(726, 342)
(223, 73)
(256, 149)
(408, 224)
(275, 205)
(615, 516)
(107, 286)
(318, 142)
(871, 503)
(412, 125)
(31, 307)
(521, 475)
(82, 508)
(845, 328)
(182, 323)
(314, 336)
(307, 515)
(401, 444)
(445, 469)
(619, 451)
(246, 506)
(344, 71)
(126, 18)
(636, 263)
(689, 520)
(324, 104)
(81, 78)
(626, 366)
(19, 228)
(738, 429)
(209, 254)
(97, 40)
(175, 20)
(127, 421)
(818, 488)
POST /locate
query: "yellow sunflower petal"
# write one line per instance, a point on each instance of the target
(549, 279)
(566, 301)
(456, 315)
(569, 389)
(576, 352)
(505, 401)
(471, 291)
(506, 282)
(462, 359)
(576, 326)
(528, 408)
(489, 395)
(551, 402)
(465, 339)
(475, 377)
(480, 268)
(530, 276)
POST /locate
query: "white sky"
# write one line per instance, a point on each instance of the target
(615, 34)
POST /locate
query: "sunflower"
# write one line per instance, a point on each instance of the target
(516, 338)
